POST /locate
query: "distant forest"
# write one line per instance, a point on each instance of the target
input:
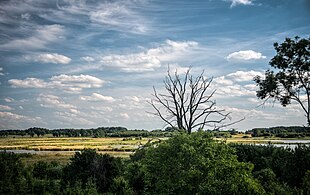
(281, 132)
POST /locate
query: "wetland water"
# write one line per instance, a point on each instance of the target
(286, 143)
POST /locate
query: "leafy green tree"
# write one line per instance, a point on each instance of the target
(291, 80)
(195, 164)
(12, 178)
(270, 182)
(89, 165)
(289, 166)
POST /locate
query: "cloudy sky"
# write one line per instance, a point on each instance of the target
(81, 64)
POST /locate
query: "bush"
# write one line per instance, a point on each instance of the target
(193, 164)
(89, 165)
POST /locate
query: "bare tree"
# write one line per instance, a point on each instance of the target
(187, 103)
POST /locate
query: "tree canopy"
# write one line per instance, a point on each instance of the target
(290, 81)
(193, 164)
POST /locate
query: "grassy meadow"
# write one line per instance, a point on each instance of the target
(61, 149)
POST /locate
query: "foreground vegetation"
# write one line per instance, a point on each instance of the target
(183, 164)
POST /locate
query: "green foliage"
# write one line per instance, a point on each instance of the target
(291, 80)
(98, 132)
(12, 178)
(289, 166)
(89, 165)
(283, 132)
(195, 164)
(120, 186)
(271, 184)
(306, 183)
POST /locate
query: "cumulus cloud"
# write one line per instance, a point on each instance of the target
(52, 101)
(234, 91)
(9, 120)
(97, 97)
(245, 55)
(222, 81)
(69, 118)
(102, 108)
(8, 99)
(244, 75)
(251, 87)
(28, 83)
(135, 99)
(4, 107)
(240, 2)
(41, 37)
(248, 113)
(1, 73)
(150, 59)
(88, 59)
(124, 115)
(54, 58)
(68, 83)
(75, 83)
(235, 84)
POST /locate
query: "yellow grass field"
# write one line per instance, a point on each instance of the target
(61, 149)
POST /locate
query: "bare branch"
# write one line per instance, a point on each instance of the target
(187, 103)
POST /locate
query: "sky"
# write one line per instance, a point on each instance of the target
(87, 64)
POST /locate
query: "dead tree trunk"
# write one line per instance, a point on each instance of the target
(188, 104)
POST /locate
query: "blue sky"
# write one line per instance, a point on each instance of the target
(82, 64)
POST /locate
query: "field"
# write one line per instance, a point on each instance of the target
(61, 149)
(48, 148)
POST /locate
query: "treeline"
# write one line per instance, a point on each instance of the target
(94, 132)
(282, 132)
(183, 164)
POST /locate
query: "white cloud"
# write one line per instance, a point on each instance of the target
(49, 58)
(88, 59)
(40, 38)
(9, 120)
(228, 86)
(52, 101)
(28, 83)
(68, 83)
(25, 16)
(75, 83)
(245, 55)
(222, 81)
(72, 119)
(248, 113)
(233, 91)
(251, 87)
(8, 99)
(240, 2)
(119, 16)
(1, 73)
(124, 115)
(244, 75)
(135, 99)
(4, 107)
(97, 97)
(102, 108)
(150, 59)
